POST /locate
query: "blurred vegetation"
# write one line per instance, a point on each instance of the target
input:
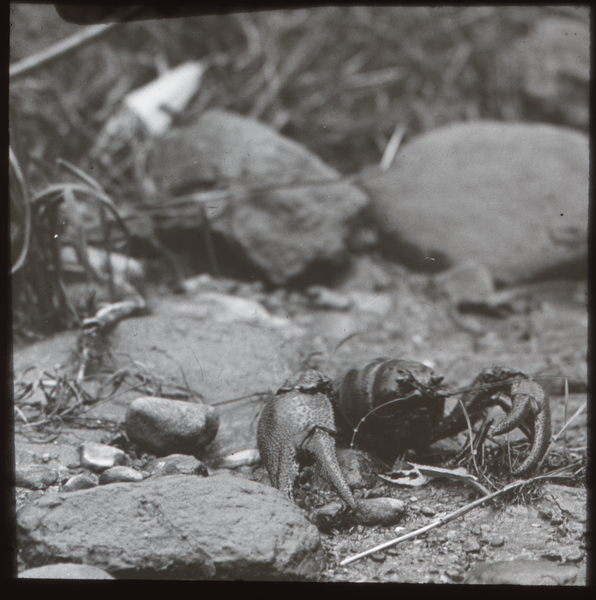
(339, 80)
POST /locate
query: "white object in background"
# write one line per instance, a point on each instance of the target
(165, 96)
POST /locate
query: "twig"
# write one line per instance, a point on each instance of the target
(38, 59)
(446, 519)
(392, 147)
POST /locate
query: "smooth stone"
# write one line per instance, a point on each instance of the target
(99, 457)
(163, 426)
(511, 196)
(119, 475)
(380, 511)
(79, 482)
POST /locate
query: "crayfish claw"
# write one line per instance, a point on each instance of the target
(528, 398)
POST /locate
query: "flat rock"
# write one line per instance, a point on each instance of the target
(120, 475)
(65, 571)
(512, 196)
(99, 457)
(522, 572)
(281, 231)
(174, 527)
(163, 426)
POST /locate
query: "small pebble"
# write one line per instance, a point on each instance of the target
(378, 557)
(497, 541)
(454, 575)
(556, 521)
(428, 511)
(471, 545)
(119, 475)
(99, 457)
(552, 555)
(45, 457)
(78, 482)
(476, 530)
(575, 557)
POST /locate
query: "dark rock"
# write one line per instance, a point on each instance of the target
(359, 468)
(380, 511)
(65, 571)
(522, 572)
(119, 475)
(512, 196)
(35, 477)
(428, 511)
(331, 515)
(497, 541)
(99, 457)
(575, 557)
(78, 482)
(163, 426)
(174, 527)
(282, 231)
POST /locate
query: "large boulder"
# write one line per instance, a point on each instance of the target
(180, 526)
(511, 196)
(281, 231)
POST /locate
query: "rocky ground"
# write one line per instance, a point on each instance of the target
(167, 519)
(135, 446)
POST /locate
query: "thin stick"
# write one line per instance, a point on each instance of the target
(392, 147)
(38, 59)
(446, 519)
(433, 525)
